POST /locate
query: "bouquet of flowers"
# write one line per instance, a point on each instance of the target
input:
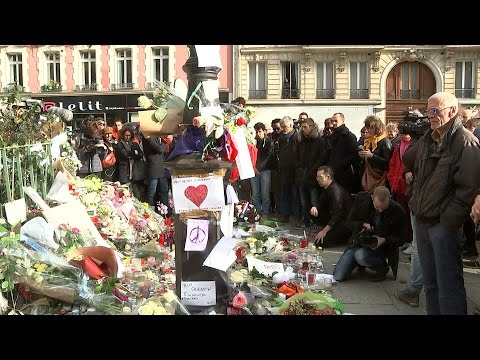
(308, 303)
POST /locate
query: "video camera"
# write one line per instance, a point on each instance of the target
(366, 237)
(414, 123)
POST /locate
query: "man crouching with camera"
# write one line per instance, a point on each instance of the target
(378, 225)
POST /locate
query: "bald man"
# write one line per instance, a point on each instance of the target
(447, 173)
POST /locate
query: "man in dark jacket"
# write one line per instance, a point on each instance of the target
(154, 149)
(332, 209)
(261, 182)
(287, 158)
(343, 157)
(385, 219)
(446, 176)
(311, 152)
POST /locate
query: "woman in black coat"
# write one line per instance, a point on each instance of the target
(127, 153)
(154, 149)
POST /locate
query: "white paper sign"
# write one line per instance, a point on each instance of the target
(222, 255)
(199, 293)
(197, 235)
(208, 55)
(264, 267)
(194, 193)
(226, 220)
(243, 160)
(232, 197)
(16, 211)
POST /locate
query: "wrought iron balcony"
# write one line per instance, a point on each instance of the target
(51, 87)
(257, 94)
(121, 86)
(290, 93)
(358, 93)
(87, 87)
(152, 85)
(465, 93)
(325, 93)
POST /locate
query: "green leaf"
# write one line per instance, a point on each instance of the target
(5, 285)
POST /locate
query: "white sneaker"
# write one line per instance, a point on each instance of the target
(408, 251)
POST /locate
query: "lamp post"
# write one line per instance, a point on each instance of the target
(189, 265)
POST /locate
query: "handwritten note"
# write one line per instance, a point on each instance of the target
(264, 267)
(197, 235)
(194, 193)
(199, 293)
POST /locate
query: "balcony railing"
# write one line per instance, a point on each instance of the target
(51, 87)
(290, 93)
(152, 85)
(325, 93)
(358, 93)
(122, 86)
(465, 93)
(257, 94)
(87, 87)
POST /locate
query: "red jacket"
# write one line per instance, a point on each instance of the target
(395, 173)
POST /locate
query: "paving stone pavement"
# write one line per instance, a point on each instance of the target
(360, 296)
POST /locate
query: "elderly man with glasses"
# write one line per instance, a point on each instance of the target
(447, 173)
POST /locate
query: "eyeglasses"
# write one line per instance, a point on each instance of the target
(435, 111)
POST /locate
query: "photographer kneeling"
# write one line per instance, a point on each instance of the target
(385, 220)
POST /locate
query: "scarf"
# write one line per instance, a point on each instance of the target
(168, 140)
(371, 142)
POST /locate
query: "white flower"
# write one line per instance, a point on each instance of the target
(144, 102)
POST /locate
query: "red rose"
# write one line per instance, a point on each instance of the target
(241, 121)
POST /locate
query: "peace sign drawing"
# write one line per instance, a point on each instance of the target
(197, 235)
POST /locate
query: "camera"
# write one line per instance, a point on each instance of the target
(414, 123)
(88, 142)
(366, 237)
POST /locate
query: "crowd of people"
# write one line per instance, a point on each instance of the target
(121, 153)
(395, 185)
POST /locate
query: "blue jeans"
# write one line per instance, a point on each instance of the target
(307, 194)
(261, 191)
(355, 256)
(415, 283)
(440, 253)
(290, 199)
(152, 190)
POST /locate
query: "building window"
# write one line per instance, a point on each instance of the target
(257, 80)
(291, 80)
(160, 64)
(358, 80)
(53, 67)
(89, 69)
(16, 69)
(124, 69)
(464, 80)
(325, 89)
(410, 88)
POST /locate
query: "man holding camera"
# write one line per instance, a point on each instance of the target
(378, 224)
(447, 173)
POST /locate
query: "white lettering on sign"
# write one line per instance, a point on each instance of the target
(81, 106)
(199, 293)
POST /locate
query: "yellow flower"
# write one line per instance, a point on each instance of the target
(40, 267)
(39, 279)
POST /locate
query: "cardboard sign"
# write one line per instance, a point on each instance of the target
(16, 211)
(199, 293)
(194, 193)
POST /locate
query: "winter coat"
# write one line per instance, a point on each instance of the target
(154, 149)
(446, 177)
(264, 154)
(311, 154)
(287, 157)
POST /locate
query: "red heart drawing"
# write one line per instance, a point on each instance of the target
(196, 194)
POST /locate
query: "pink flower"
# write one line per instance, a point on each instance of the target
(75, 230)
(198, 121)
(239, 301)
